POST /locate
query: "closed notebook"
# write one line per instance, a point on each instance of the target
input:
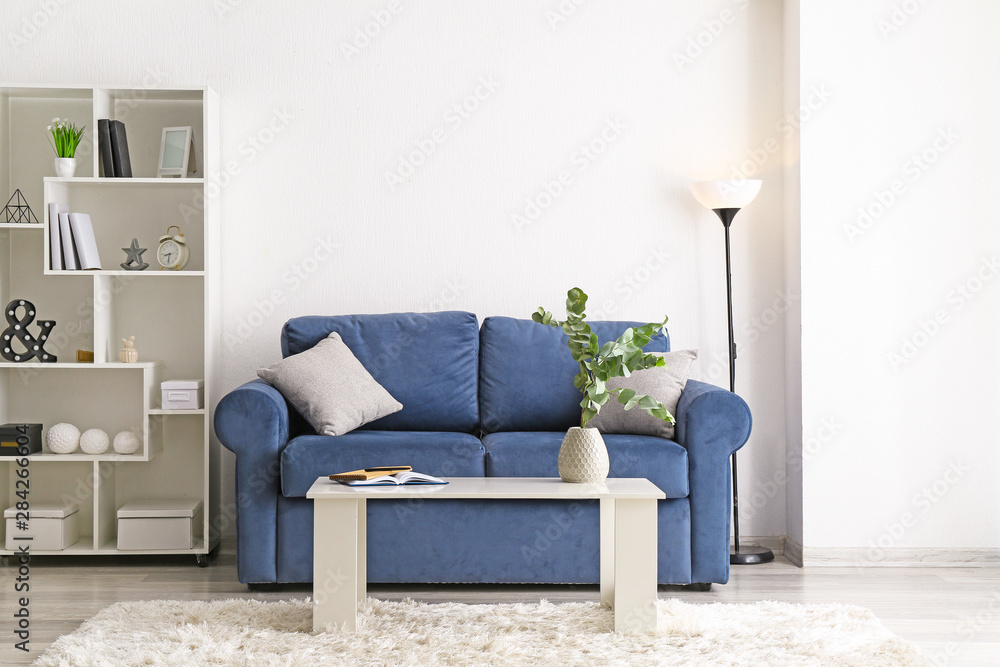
(85, 242)
(104, 147)
(70, 260)
(55, 237)
(119, 149)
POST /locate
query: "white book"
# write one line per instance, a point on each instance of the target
(70, 261)
(83, 239)
(55, 238)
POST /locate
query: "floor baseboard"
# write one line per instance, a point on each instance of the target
(793, 552)
(899, 557)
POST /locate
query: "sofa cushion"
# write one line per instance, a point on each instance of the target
(536, 454)
(442, 454)
(526, 374)
(664, 383)
(427, 361)
(330, 388)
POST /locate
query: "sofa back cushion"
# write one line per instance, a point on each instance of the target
(427, 361)
(526, 374)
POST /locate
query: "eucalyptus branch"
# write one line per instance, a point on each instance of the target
(599, 363)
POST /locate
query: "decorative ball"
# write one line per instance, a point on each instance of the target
(94, 441)
(63, 439)
(126, 442)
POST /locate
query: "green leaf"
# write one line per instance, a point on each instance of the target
(625, 395)
(588, 414)
(648, 402)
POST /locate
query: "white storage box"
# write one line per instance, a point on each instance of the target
(183, 394)
(52, 527)
(158, 524)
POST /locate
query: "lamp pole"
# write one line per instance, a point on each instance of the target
(747, 555)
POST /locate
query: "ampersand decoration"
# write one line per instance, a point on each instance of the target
(17, 327)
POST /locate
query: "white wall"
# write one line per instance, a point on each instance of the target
(912, 460)
(310, 131)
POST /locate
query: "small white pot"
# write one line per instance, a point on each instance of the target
(583, 457)
(65, 167)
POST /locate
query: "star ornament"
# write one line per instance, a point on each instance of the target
(134, 261)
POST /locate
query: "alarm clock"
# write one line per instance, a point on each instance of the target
(173, 253)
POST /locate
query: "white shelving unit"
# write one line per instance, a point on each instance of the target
(174, 315)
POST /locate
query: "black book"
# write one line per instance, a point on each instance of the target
(119, 150)
(104, 147)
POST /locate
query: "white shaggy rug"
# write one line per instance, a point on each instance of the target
(248, 632)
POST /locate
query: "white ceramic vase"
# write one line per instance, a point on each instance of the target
(583, 458)
(65, 167)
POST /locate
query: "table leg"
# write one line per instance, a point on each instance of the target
(608, 552)
(337, 525)
(635, 565)
(362, 549)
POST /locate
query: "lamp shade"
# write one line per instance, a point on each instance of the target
(725, 194)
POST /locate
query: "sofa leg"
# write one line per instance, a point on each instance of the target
(698, 588)
(263, 587)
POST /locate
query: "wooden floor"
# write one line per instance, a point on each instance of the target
(940, 609)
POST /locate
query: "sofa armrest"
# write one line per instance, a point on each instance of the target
(252, 421)
(712, 423)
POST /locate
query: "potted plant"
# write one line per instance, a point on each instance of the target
(65, 138)
(583, 456)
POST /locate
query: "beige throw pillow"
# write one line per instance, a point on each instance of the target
(664, 383)
(330, 387)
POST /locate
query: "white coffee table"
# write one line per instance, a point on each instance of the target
(628, 538)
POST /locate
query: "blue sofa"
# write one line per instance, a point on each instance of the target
(492, 401)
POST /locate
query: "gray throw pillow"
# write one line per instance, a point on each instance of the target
(330, 387)
(664, 383)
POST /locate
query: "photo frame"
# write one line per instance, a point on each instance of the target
(177, 157)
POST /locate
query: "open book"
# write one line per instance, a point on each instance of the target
(399, 478)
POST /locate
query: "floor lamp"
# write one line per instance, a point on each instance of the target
(726, 198)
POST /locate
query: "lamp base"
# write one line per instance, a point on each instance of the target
(750, 555)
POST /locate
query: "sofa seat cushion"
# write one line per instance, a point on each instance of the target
(441, 454)
(536, 454)
(427, 361)
(526, 374)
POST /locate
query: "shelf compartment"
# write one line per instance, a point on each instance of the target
(145, 113)
(25, 155)
(144, 211)
(54, 482)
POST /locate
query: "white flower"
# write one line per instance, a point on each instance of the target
(50, 127)
(55, 120)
